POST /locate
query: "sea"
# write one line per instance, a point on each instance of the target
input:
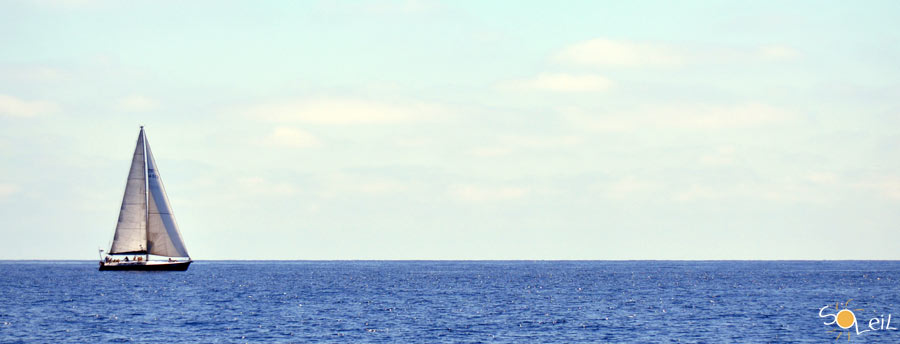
(454, 302)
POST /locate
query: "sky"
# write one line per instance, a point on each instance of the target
(459, 129)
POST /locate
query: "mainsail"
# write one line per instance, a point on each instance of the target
(131, 230)
(146, 223)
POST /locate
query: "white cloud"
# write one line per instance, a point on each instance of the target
(71, 4)
(492, 151)
(33, 74)
(413, 141)
(7, 189)
(136, 103)
(45, 74)
(716, 117)
(526, 141)
(627, 187)
(681, 116)
(381, 186)
(512, 143)
(383, 7)
(561, 82)
(679, 189)
(784, 189)
(723, 155)
(345, 111)
(778, 52)
(15, 107)
(887, 187)
(404, 7)
(472, 193)
(338, 184)
(259, 185)
(290, 137)
(601, 52)
(822, 178)
(697, 192)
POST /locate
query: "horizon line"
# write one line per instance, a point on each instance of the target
(486, 260)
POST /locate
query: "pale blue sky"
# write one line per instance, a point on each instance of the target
(458, 130)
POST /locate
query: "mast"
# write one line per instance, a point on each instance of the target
(146, 200)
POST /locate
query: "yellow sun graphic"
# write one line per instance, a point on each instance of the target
(845, 319)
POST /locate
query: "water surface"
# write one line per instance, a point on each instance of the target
(446, 301)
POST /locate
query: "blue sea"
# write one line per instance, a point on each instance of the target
(452, 302)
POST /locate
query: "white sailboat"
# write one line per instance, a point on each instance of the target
(147, 236)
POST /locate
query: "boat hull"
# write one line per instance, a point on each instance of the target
(163, 266)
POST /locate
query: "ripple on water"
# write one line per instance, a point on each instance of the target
(424, 302)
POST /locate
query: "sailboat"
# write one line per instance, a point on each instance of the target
(147, 236)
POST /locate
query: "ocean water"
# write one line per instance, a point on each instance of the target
(450, 302)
